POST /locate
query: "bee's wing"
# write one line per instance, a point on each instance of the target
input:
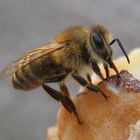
(29, 57)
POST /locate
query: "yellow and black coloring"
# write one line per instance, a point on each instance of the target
(70, 52)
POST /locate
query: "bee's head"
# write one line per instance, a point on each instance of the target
(100, 47)
(100, 41)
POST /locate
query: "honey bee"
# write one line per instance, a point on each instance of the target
(68, 53)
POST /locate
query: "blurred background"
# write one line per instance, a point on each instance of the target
(26, 24)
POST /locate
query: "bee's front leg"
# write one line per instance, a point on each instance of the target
(106, 70)
(64, 99)
(84, 83)
(96, 69)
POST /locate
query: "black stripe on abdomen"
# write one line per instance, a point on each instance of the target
(24, 79)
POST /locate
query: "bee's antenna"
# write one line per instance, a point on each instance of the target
(121, 46)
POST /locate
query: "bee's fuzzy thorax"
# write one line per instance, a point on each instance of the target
(77, 54)
(75, 57)
(77, 34)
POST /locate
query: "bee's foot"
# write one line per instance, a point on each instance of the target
(96, 89)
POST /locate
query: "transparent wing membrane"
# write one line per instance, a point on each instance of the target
(28, 58)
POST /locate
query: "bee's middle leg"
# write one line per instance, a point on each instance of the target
(89, 78)
(62, 85)
(84, 83)
(60, 96)
(64, 89)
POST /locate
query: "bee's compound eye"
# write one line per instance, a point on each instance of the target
(98, 41)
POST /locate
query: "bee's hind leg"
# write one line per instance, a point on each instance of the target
(59, 96)
(62, 85)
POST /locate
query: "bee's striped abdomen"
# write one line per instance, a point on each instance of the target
(25, 79)
(32, 75)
